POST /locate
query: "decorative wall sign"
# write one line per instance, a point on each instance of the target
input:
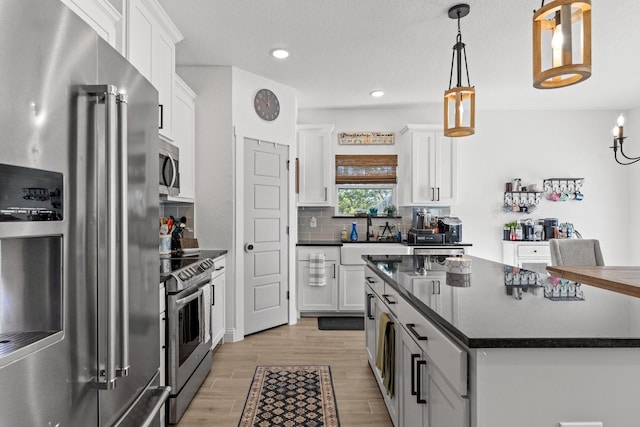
(366, 138)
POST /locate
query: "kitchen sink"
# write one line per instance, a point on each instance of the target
(351, 253)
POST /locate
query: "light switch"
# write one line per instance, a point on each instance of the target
(313, 223)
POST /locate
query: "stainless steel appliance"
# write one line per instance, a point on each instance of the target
(169, 169)
(79, 321)
(189, 357)
(416, 236)
(451, 227)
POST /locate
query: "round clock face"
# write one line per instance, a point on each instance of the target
(267, 105)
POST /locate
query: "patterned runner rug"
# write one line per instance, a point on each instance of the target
(291, 396)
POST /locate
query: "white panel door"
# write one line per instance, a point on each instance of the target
(265, 230)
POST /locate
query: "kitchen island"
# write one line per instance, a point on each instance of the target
(495, 354)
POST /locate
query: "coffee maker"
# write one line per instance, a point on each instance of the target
(451, 227)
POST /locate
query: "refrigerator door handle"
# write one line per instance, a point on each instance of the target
(123, 369)
(107, 94)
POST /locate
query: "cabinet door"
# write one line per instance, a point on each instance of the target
(217, 309)
(184, 116)
(412, 391)
(370, 324)
(351, 286)
(314, 166)
(423, 185)
(317, 298)
(432, 159)
(446, 407)
(101, 16)
(140, 37)
(445, 170)
(151, 49)
(162, 74)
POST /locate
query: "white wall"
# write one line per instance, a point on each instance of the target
(632, 130)
(224, 117)
(531, 145)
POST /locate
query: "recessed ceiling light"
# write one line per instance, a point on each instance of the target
(280, 53)
(376, 93)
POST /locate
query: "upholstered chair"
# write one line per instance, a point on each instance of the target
(578, 252)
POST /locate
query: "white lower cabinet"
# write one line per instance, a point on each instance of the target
(218, 280)
(313, 298)
(351, 287)
(375, 307)
(534, 256)
(431, 370)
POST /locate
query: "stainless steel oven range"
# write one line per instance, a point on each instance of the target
(189, 355)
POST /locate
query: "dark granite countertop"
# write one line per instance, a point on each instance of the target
(340, 243)
(176, 262)
(493, 314)
(319, 243)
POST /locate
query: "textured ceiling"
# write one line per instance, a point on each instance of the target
(343, 49)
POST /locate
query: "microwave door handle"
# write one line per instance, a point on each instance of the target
(175, 172)
(123, 369)
(165, 181)
(106, 378)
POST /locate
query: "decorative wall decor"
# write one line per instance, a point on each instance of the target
(366, 138)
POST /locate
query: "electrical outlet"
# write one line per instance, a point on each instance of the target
(313, 223)
(581, 424)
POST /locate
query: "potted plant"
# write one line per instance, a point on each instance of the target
(390, 210)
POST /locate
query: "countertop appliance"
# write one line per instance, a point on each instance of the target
(168, 169)
(416, 236)
(79, 333)
(189, 357)
(451, 227)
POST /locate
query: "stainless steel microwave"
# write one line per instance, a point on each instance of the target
(169, 169)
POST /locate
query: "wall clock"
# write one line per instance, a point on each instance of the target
(266, 105)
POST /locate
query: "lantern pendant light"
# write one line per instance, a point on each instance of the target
(459, 101)
(561, 43)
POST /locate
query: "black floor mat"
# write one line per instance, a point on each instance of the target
(341, 323)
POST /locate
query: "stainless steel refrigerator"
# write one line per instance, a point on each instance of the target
(79, 313)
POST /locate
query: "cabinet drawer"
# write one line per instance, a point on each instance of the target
(448, 357)
(331, 253)
(219, 266)
(391, 298)
(534, 250)
(375, 283)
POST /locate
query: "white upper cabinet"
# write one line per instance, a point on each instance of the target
(151, 39)
(430, 168)
(314, 165)
(184, 127)
(101, 16)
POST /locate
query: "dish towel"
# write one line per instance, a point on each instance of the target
(317, 276)
(386, 355)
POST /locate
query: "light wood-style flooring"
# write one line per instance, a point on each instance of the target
(221, 398)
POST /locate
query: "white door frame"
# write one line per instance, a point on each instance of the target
(237, 289)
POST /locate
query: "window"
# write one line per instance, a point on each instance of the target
(365, 182)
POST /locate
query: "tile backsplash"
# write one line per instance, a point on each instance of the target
(329, 227)
(178, 210)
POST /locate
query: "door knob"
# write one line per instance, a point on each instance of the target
(248, 247)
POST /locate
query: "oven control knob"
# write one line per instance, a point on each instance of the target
(182, 275)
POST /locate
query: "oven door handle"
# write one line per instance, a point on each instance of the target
(186, 300)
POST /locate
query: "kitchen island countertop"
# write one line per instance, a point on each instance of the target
(491, 314)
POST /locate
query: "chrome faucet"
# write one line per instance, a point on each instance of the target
(369, 224)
